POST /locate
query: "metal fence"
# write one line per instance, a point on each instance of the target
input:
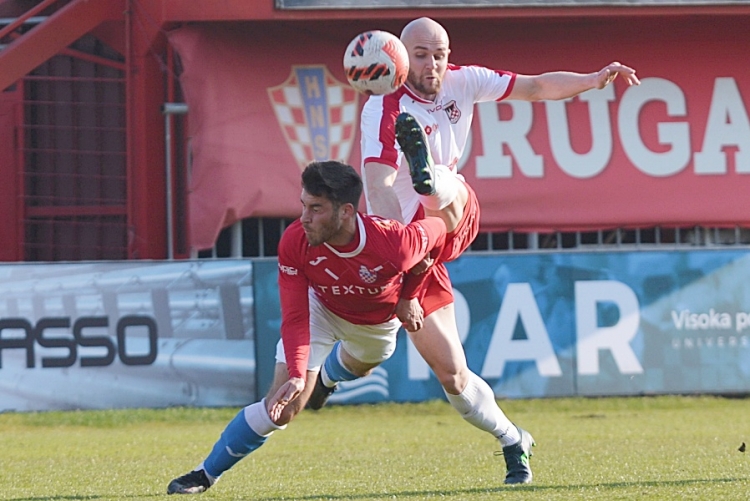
(72, 156)
(259, 237)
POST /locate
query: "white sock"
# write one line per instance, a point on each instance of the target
(478, 406)
(258, 419)
(446, 189)
(327, 381)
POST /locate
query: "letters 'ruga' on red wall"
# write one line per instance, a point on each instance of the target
(672, 151)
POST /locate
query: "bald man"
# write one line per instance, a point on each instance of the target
(412, 141)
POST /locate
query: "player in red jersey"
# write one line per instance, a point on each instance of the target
(340, 277)
(430, 118)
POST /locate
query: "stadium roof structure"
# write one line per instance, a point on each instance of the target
(64, 21)
(34, 32)
(411, 4)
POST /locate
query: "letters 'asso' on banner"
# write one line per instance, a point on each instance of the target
(578, 324)
(673, 151)
(126, 334)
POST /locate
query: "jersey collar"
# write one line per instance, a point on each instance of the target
(362, 241)
(412, 95)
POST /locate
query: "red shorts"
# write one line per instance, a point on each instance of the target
(437, 290)
(466, 231)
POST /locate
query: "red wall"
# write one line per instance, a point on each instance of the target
(9, 191)
(649, 174)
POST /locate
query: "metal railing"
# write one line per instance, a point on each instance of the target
(259, 237)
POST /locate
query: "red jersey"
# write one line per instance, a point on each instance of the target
(359, 282)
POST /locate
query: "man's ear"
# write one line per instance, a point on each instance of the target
(348, 210)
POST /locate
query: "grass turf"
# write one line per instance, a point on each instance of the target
(653, 448)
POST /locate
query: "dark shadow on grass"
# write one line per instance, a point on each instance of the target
(58, 498)
(525, 488)
(86, 497)
(419, 494)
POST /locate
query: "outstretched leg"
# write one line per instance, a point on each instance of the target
(441, 191)
(470, 395)
(247, 432)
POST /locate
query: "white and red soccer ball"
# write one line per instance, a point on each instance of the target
(376, 62)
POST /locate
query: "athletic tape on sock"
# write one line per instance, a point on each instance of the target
(258, 419)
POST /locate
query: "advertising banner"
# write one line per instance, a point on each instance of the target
(609, 323)
(265, 100)
(566, 324)
(127, 334)
(147, 334)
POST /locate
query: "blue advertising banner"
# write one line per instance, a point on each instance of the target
(609, 323)
(596, 323)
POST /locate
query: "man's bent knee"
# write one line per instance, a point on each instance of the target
(453, 382)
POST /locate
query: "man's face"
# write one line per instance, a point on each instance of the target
(320, 220)
(428, 61)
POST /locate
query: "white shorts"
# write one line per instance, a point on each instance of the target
(371, 344)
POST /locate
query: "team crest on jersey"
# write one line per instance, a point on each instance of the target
(316, 113)
(454, 114)
(369, 276)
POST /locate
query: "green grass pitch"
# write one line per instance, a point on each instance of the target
(652, 448)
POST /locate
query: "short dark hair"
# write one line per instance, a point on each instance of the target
(336, 181)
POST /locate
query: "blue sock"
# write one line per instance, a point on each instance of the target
(333, 370)
(236, 441)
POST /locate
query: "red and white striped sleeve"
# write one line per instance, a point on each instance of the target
(377, 127)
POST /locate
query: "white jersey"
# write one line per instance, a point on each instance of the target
(446, 122)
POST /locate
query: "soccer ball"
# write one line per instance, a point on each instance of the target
(376, 62)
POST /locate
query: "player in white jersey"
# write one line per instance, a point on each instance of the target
(340, 276)
(431, 116)
(446, 122)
